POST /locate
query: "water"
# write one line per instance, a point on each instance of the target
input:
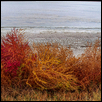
(71, 16)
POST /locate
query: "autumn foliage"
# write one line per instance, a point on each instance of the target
(13, 52)
(88, 70)
(47, 66)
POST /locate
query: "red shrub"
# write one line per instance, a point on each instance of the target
(13, 51)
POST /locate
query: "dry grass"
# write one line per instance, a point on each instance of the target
(45, 95)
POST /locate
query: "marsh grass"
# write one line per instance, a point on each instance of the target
(50, 71)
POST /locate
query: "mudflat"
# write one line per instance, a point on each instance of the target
(77, 40)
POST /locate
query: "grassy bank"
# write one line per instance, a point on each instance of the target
(48, 71)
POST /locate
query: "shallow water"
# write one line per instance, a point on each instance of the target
(52, 15)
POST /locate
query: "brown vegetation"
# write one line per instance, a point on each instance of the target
(50, 66)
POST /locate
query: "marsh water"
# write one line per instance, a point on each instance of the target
(72, 16)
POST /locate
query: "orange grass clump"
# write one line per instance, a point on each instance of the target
(88, 70)
(50, 70)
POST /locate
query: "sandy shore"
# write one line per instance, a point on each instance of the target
(77, 40)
